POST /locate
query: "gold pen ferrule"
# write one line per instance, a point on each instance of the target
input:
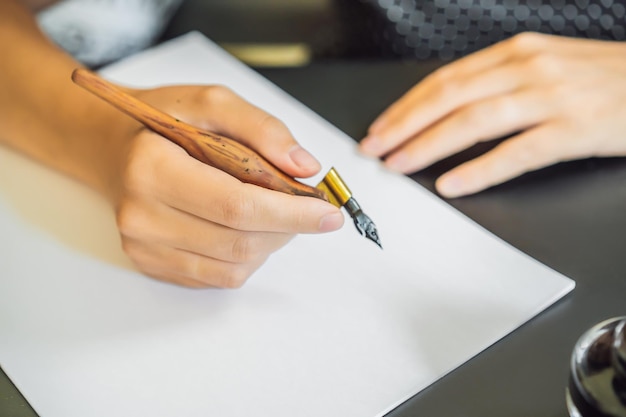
(337, 191)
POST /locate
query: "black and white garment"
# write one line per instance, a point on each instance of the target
(451, 28)
(97, 32)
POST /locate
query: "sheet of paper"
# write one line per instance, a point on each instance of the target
(329, 326)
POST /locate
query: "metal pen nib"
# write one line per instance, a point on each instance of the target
(340, 195)
(363, 223)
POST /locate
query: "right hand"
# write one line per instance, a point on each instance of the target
(187, 223)
(554, 99)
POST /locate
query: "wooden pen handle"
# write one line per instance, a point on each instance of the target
(218, 151)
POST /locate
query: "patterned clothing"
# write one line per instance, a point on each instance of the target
(450, 28)
(100, 31)
(97, 32)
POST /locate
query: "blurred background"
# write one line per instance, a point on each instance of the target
(298, 31)
(278, 32)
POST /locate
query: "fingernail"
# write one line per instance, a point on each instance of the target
(450, 186)
(398, 162)
(371, 145)
(331, 221)
(303, 159)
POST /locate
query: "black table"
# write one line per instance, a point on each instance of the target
(571, 216)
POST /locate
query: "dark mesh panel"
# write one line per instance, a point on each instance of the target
(448, 29)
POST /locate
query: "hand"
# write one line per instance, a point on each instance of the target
(560, 99)
(180, 220)
(188, 223)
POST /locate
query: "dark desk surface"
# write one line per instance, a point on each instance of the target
(571, 217)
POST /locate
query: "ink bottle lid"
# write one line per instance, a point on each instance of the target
(597, 382)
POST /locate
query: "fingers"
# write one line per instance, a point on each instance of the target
(140, 221)
(208, 193)
(188, 269)
(525, 152)
(532, 82)
(435, 99)
(526, 59)
(188, 223)
(221, 110)
(262, 132)
(442, 85)
(490, 118)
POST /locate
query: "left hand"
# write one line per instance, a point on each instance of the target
(561, 98)
(185, 222)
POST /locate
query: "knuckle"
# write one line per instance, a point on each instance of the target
(130, 249)
(300, 222)
(191, 272)
(545, 64)
(230, 276)
(245, 248)
(446, 86)
(483, 114)
(216, 95)
(441, 75)
(473, 115)
(271, 127)
(236, 277)
(527, 154)
(237, 209)
(128, 218)
(449, 89)
(525, 41)
(441, 83)
(505, 108)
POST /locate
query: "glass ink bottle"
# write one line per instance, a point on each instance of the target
(597, 382)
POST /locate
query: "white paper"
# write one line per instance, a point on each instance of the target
(329, 326)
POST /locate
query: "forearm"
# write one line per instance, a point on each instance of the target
(43, 114)
(180, 220)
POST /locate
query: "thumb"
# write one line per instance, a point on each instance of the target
(226, 113)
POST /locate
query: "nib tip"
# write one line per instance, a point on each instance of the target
(363, 223)
(368, 229)
(372, 234)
